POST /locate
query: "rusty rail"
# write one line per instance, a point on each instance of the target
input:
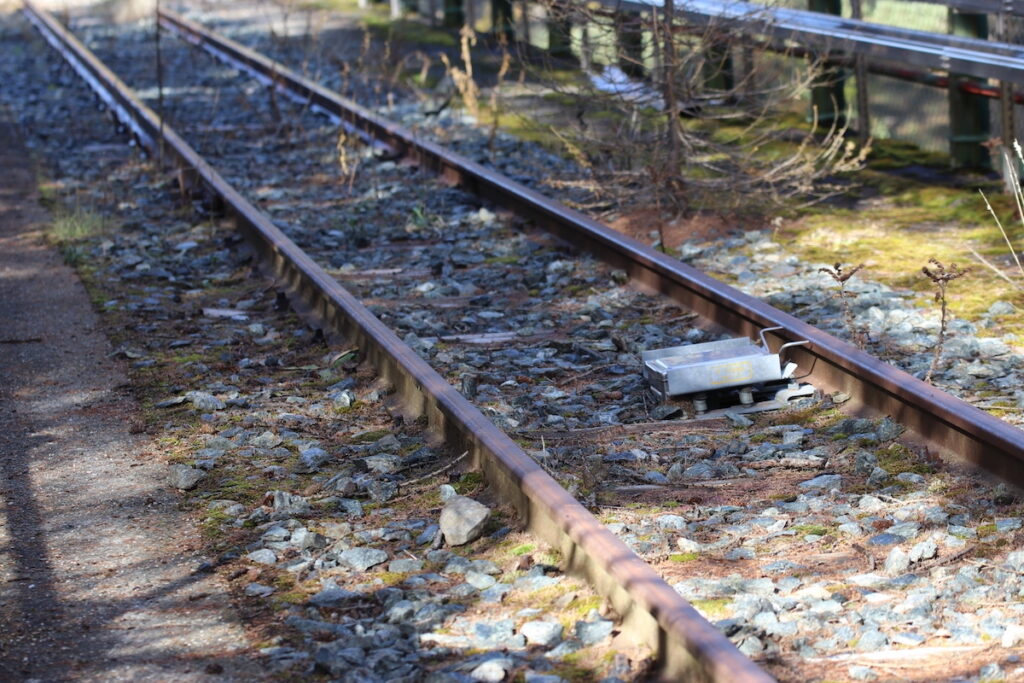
(944, 421)
(689, 648)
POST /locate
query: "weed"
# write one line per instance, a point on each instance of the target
(841, 277)
(941, 277)
(683, 557)
(583, 607)
(75, 225)
(713, 608)
(469, 482)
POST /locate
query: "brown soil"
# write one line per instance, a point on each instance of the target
(639, 223)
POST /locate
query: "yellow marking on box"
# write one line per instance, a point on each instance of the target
(732, 373)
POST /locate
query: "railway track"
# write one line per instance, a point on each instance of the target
(943, 420)
(557, 357)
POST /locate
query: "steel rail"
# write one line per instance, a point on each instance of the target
(971, 56)
(946, 422)
(689, 648)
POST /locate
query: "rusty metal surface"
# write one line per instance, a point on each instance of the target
(690, 648)
(945, 421)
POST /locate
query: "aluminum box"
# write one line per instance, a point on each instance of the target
(715, 365)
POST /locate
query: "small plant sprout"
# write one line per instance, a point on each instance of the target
(841, 276)
(941, 277)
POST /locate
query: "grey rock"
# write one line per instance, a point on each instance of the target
(823, 481)
(792, 438)
(688, 546)
(495, 593)
(428, 534)
(1008, 524)
(751, 645)
(204, 401)
(739, 554)
(456, 565)
(401, 611)
(447, 492)
(258, 590)
(699, 471)
(671, 522)
(303, 538)
(738, 420)
(351, 506)
(543, 633)
(655, 477)
(885, 539)
(479, 580)
(878, 477)
(872, 639)
(463, 519)
(907, 530)
(388, 442)
(911, 478)
(1013, 635)
(897, 562)
(183, 477)
(362, 559)
(382, 490)
(493, 670)
(333, 597)
(864, 462)
(566, 647)
(1001, 308)
(851, 529)
(267, 439)
(485, 567)
(1015, 560)
(263, 556)
(870, 504)
(534, 677)
(991, 672)
(405, 565)
(497, 634)
(383, 463)
(861, 673)
(536, 582)
(925, 550)
(888, 429)
(593, 632)
(312, 458)
(288, 505)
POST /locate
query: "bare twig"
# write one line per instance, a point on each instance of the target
(841, 277)
(941, 277)
(431, 475)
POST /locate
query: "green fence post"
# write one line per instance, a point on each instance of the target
(454, 16)
(501, 18)
(629, 37)
(968, 113)
(717, 66)
(827, 95)
(559, 23)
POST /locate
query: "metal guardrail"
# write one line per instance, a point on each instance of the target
(688, 646)
(971, 56)
(1014, 7)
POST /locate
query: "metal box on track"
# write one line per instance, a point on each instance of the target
(715, 365)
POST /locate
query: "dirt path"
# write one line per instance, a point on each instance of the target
(97, 567)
